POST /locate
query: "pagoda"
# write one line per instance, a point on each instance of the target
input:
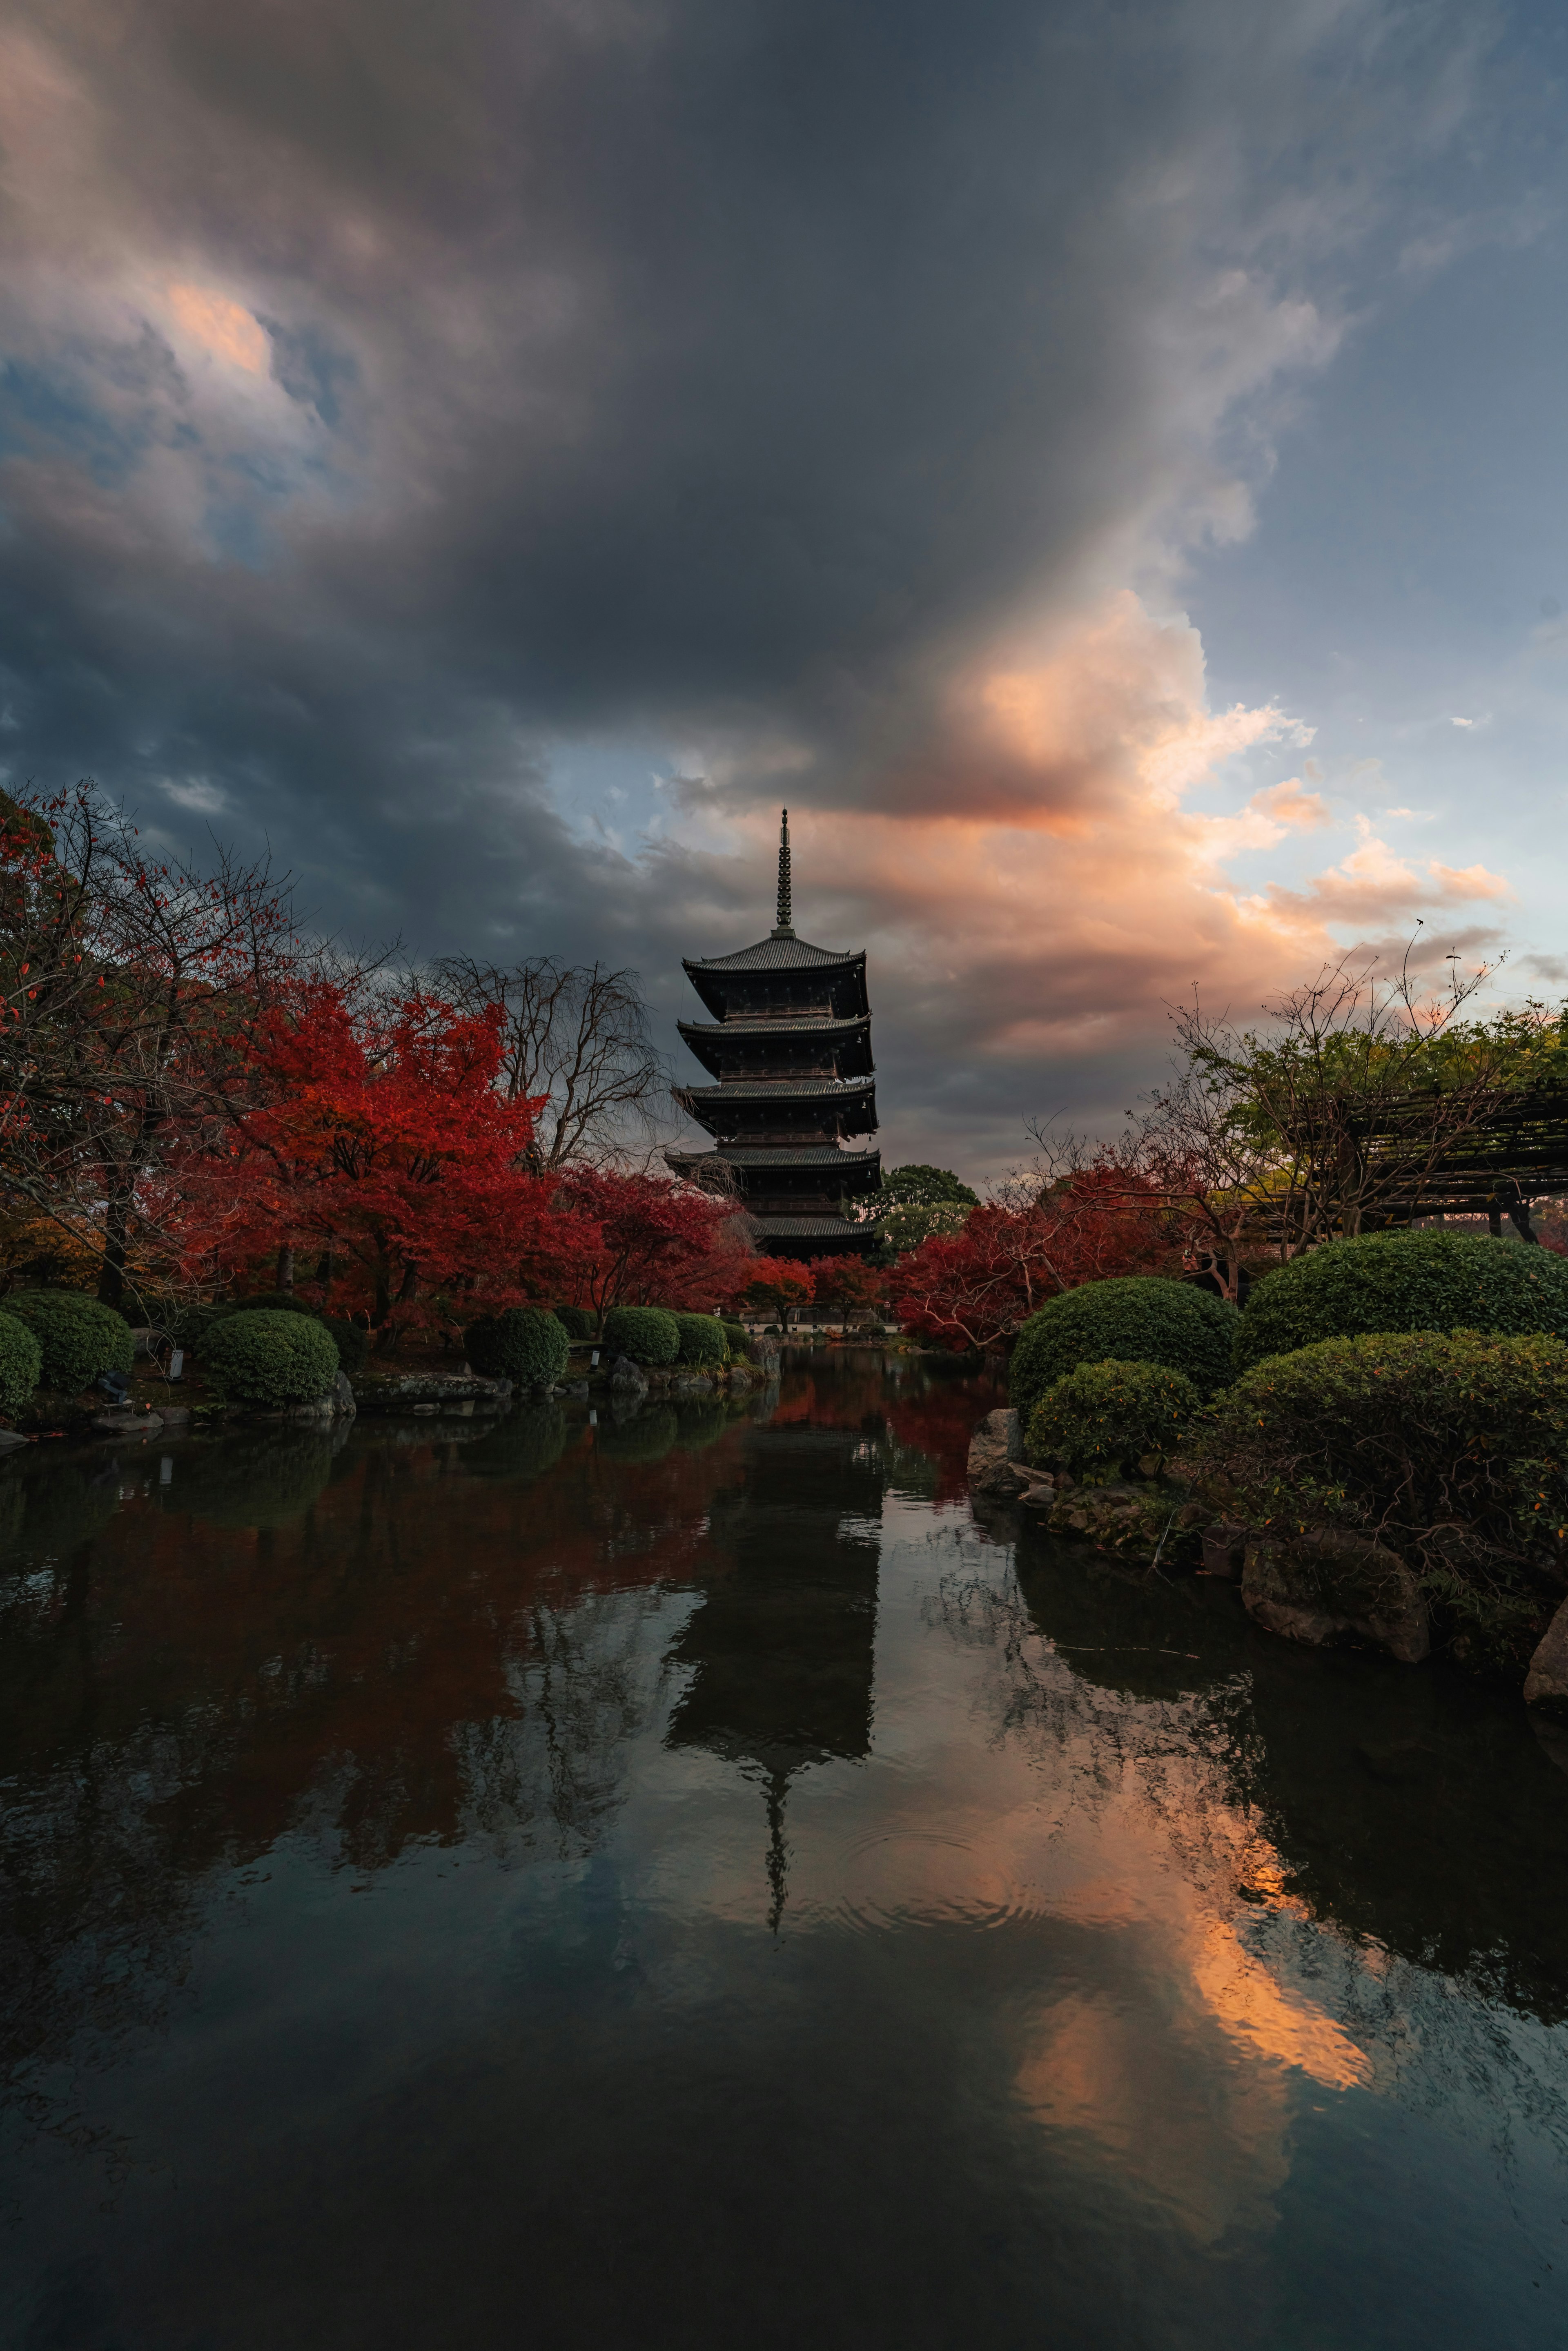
(789, 1048)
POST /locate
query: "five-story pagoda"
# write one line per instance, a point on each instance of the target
(789, 1046)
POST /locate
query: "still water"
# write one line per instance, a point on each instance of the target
(691, 1883)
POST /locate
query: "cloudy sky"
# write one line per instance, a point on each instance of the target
(1100, 462)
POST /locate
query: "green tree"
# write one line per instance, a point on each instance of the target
(916, 1204)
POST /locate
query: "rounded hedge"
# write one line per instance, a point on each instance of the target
(1451, 1449)
(646, 1333)
(526, 1344)
(1403, 1281)
(352, 1343)
(271, 1358)
(78, 1338)
(738, 1339)
(1139, 1319)
(21, 1362)
(1101, 1419)
(575, 1321)
(702, 1339)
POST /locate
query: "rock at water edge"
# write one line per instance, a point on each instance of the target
(1546, 1683)
(992, 1449)
(1224, 1549)
(1331, 1586)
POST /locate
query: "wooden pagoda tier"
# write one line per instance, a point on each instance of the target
(789, 1047)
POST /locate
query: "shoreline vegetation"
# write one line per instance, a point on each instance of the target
(1374, 1449)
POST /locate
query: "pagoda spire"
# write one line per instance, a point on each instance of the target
(784, 927)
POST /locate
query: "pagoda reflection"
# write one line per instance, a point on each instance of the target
(781, 1653)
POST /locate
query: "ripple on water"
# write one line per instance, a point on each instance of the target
(918, 1877)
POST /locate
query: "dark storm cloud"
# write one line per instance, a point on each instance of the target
(736, 371)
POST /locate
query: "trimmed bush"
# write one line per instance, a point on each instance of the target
(701, 1339)
(1139, 1319)
(77, 1337)
(1453, 1450)
(1098, 1421)
(21, 1362)
(273, 1359)
(737, 1340)
(1403, 1281)
(575, 1321)
(646, 1333)
(351, 1341)
(353, 1344)
(526, 1344)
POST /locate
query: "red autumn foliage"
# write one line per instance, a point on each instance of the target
(847, 1286)
(978, 1288)
(380, 1143)
(654, 1242)
(776, 1284)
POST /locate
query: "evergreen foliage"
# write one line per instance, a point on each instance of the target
(271, 1358)
(917, 1202)
(738, 1341)
(1452, 1449)
(1099, 1421)
(525, 1344)
(575, 1321)
(21, 1362)
(701, 1339)
(351, 1341)
(78, 1338)
(644, 1333)
(1139, 1319)
(1403, 1281)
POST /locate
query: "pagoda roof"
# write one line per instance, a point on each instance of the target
(801, 1228)
(786, 952)
(768, 1024)
(778, 1154)
(751, 1090)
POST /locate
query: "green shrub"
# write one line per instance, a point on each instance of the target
(1403, 1281)
(575, 1321)
(1137, 1319)
(275, 1358)
(1451, 1449)
(701, 1339)
(646, 1333)
(526, 1344)
(1098, 1421)
(737, 1340)
(353, 1341)
(21, 1361)
(77, 1337)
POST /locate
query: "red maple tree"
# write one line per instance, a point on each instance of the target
(847, 1286)
(379, 1144)
(978, 1288)
(649, 1240)
(777, 1284)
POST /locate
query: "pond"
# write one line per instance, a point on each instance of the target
(687, 1881)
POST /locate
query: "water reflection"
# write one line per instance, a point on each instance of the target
(935, 1933)
(780, 1652)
